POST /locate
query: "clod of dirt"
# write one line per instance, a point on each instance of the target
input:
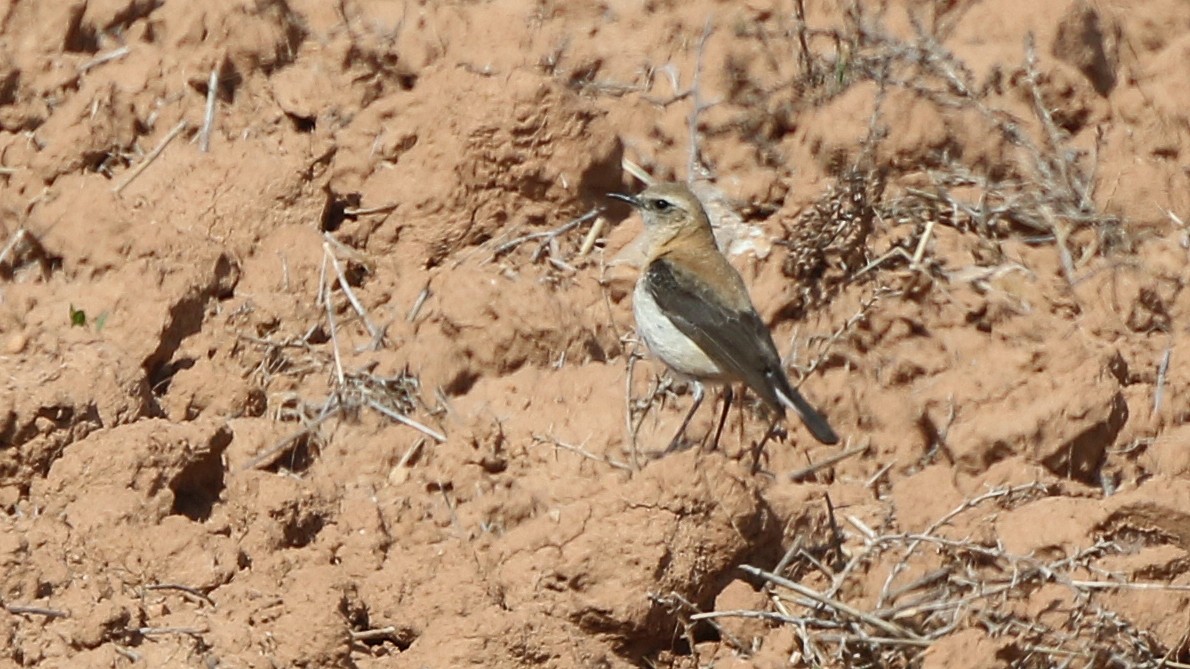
(1169, 454)
(969, 648)
(1048, 525)
(106, 621)
(681, 526)
(486, 336)
(1082, 40)
(175, 469)
(48, 407)
(742, 596)
(517, 153)
(915, 513)
(1154, 513)
(313, 619)
(1068, 435)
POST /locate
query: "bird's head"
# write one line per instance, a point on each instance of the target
(668, 210)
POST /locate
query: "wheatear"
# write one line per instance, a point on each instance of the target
(694, 313)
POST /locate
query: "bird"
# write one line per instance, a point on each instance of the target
(693, 312)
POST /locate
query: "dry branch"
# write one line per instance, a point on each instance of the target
(185, 589)
(826, 463)
(830, 602)
(21, 609)
(153, 155)
(406, 420)
(548, 236)
(208, 118)
(579, 450)
(696, 168)
(376, 333)
(114, 54)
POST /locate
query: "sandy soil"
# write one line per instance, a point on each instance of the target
(352, 387)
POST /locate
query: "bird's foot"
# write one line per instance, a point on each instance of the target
(678, 444)
(778, 432)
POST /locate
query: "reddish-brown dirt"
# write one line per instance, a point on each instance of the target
(204, 351)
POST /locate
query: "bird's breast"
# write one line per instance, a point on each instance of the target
(667, 342)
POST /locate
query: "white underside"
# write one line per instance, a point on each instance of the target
(667, 342)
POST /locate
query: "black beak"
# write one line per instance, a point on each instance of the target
(625, 198)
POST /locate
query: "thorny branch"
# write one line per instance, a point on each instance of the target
(975, 581)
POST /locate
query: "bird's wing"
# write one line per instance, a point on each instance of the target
(736, 339)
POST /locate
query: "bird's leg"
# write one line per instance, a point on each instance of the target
(676, 443)
(775, 430)
(742, 415)
(727, 396)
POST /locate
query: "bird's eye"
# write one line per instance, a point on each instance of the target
(661, 204)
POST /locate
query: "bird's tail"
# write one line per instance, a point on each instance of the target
(814, 421)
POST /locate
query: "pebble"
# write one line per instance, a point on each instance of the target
(16, 343)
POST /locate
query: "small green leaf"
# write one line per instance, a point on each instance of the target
(78, 317)
(101, 320)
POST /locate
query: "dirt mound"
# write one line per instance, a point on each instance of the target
(318, 336)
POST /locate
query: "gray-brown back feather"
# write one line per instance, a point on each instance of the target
(736, 339)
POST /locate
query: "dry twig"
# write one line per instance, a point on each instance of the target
(153, 155)
(208, 118)
(826, 463)
(114, 54)
(20, 609)
(843, 608)
(193, 593)
(548, 237)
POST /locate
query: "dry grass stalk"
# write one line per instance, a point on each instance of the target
(975, 585)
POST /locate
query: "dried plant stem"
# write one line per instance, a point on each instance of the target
(592, 236)
(266, 456)
(21, 609)
(630, 430)
(826, 463)
(376, 334)
(153, 155)
(114, 54)
(967, 504)
(162, 631)
(695, 168)
(406, 420)
(758, 615)
(548, 236)
(332, 325)
(1162, 370)
(579, 450)
(637, 172)
(208, 118)
(185, 589)
(841, 607)
(12, 243)
(373, 634)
